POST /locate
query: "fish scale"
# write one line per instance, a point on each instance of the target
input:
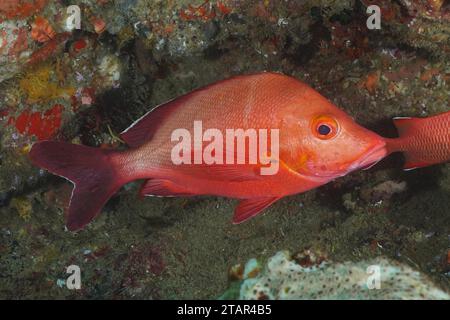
(425, 141)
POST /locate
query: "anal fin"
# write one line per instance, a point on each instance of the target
(163, 188)
(249, 208)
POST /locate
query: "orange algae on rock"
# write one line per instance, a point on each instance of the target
(205, 11)
(41, 30)
(371, 82)
(428, 74)
(99, 25)
(48, 49)
(221, 6)
(20, 9)
(37, 85)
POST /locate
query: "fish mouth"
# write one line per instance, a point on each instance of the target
(374, 155)
(371, 157)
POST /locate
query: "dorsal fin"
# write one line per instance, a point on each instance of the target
(143, 129)
(405, 125)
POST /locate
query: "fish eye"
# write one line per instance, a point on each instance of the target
(324, 127)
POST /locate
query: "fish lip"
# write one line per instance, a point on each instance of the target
(375, 154)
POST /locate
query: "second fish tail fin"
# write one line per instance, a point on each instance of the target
(89, 169)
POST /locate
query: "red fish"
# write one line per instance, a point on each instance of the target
(424, 141)
(316, 143)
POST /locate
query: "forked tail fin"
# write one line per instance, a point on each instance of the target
(89, 169)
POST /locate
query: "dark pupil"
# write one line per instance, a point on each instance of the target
(324, 129)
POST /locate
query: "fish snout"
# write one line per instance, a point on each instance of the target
(371, 156)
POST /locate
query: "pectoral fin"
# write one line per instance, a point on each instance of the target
(249, 208)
